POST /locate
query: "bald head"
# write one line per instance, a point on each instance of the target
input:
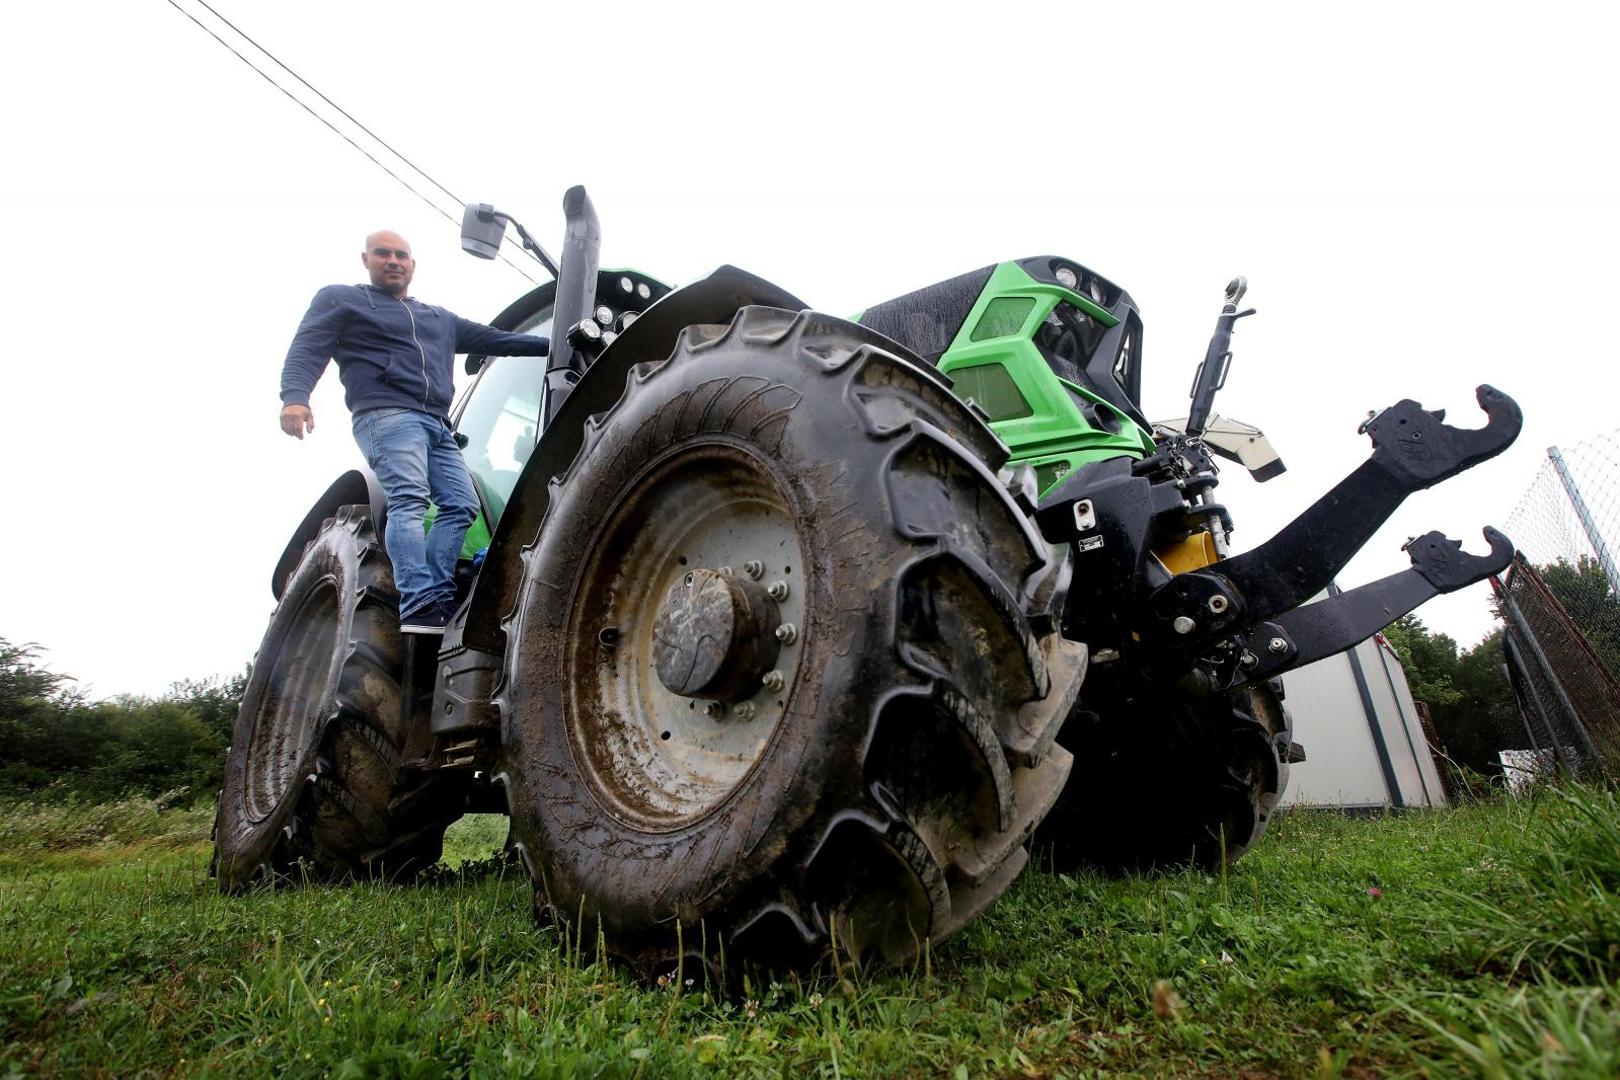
(387, 258)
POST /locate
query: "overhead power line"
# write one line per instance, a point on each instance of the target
(341, 110)
(333, 127)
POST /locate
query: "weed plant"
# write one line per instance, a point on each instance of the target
(1478, 941)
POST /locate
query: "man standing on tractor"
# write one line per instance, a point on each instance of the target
(395, 356)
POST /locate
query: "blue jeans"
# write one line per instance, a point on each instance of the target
(416, 458)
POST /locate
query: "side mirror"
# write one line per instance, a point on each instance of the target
(482, 227)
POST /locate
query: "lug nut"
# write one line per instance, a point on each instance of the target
(745, 711)
(1184, 625)
(1218, 604)
(714, 710)
(773, 681)
(1278, 645)
(787, 633)
(725, 571)
(1248, 660)
(754, 569)
(778, 590)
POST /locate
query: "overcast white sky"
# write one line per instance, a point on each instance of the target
(1423, 197)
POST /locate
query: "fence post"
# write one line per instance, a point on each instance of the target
(1517, 658)
(1588, 523)
(1505, 669)
(1511, 608)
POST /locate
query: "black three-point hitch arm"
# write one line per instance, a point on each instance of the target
(1254, 607)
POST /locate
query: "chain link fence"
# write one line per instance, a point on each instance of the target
(1559, 603)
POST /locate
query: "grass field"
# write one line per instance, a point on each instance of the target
(1483, 941)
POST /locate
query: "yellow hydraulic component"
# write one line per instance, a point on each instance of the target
(1193, 553)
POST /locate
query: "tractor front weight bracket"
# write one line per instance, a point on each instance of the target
(1319, 630)
(1254, 600)
(1412, 450)
(1253, 610)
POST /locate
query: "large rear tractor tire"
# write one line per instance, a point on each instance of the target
(1163, 779)
(773, 689)
(314, 785)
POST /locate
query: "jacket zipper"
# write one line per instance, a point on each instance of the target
(426, 385)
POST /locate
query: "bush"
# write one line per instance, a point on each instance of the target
(58, 745)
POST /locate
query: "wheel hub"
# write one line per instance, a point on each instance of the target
(681, 669)
(714, 636)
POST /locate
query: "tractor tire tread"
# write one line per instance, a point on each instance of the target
(341, 815)
(944, 779)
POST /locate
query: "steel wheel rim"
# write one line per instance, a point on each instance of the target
(289, 709)
(653, 758)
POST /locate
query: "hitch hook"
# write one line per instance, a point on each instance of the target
(1444, 564)
(1421, 450)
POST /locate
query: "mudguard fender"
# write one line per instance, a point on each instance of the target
(355, 486)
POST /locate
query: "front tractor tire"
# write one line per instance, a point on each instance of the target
(1165, 779)
(773, 687)
(314, 784)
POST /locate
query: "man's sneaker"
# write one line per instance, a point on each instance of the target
(428, 620)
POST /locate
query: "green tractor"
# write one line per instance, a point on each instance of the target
(787, 634)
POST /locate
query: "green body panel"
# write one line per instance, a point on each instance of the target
(478, 532)
(1046, 428)
(477, 537)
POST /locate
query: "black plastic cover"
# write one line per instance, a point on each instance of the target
(928, 320)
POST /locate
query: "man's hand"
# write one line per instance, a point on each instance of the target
(297, 419)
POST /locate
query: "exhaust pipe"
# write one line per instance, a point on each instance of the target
(576, 282)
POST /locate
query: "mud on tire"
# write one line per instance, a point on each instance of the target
(881, 794)
(314, 785)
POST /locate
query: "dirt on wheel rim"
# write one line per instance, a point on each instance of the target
(789, 695)
(655, 757)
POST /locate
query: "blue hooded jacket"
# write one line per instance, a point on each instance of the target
(390, 352)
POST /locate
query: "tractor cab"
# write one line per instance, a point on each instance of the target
(1048, 350)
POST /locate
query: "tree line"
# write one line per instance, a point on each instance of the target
(54, 743)
(1466, 690)
(57, 744)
